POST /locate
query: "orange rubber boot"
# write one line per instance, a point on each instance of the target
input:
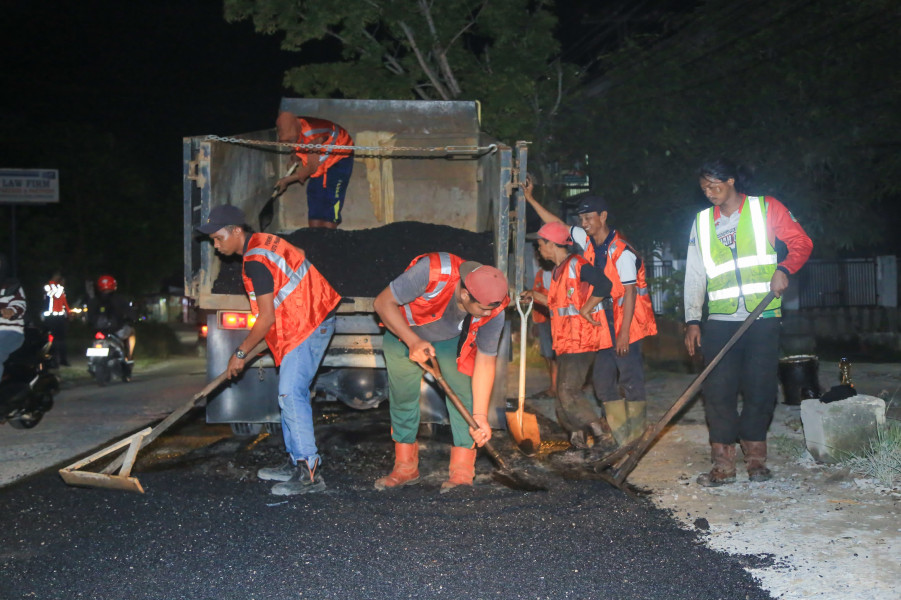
(462, 468)
(406, 467)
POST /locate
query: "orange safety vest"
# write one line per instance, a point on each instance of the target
(56, 300)
(302, 297)
(643, 321)
(311, 128)
(570, 332)
(542, 285)
(444, 273)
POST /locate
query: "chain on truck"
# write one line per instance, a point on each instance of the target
(416, 162)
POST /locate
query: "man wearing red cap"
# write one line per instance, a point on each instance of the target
(576, 338)
(328, 170)
(629, 315)
(452, 310)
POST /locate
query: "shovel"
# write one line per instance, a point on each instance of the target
(521, 425)
(503, 474)
(122, 480)
(623, 461)
(268, 210)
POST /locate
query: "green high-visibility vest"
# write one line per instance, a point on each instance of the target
(753, 266)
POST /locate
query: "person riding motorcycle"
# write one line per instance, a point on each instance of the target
(111, 313)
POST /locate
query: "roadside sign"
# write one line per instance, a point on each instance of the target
(29, 186)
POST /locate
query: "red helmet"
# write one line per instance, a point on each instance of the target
(106, 283)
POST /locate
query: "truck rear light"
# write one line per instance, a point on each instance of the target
(236, 320)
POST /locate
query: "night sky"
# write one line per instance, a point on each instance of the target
(149, 72)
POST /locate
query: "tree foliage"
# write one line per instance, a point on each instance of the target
(500, 52)
(803, 92)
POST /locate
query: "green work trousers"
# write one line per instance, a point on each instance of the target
(404, 380)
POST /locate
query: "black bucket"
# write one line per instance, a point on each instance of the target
(800, 378)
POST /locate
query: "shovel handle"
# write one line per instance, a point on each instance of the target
(290, 172)
(434, 370)
(523, 335)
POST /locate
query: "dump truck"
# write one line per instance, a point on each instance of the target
(423, 171)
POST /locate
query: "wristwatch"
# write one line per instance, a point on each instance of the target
(240, 354)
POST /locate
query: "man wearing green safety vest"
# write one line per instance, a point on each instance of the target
(732, 261)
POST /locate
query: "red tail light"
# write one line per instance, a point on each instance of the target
(50, 338)
(236, 320)
(99, 336)
(203, 330)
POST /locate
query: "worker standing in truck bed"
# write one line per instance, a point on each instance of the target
(326, 171)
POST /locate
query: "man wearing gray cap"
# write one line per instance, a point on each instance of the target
(451, 310)
(630, 318)
(295, 310)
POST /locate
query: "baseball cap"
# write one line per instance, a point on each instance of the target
(592, 204)
(486, 284)
(222, 216)
(555, 232)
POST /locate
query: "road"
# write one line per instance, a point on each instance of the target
(86, 416)
(208, 529)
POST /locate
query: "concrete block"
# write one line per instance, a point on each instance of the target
(832, 430)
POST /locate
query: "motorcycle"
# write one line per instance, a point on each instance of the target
(106, 358)
(28, 384)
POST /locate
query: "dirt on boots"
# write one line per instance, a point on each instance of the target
(755, 461)
(723, 471)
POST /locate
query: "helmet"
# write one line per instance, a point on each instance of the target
(106, 283)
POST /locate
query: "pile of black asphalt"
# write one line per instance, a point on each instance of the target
(363, 262)
(207, 528)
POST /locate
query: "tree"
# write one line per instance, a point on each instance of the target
(805, 92)
(500, 52)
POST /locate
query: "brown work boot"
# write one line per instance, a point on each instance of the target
(604, 441)
(755, 461)
(406, 467)
(723, 471)
(462, 468)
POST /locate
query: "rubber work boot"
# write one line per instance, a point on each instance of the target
(604, 441)
(406, 467)
(723, 471)
(616, 417)
(462, 468)
(638, 419)
(283, 472)
(755, 461)
(305, 480)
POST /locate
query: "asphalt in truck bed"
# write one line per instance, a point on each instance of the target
(208, 529)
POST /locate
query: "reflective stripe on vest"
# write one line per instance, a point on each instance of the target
(445, 271)
(294, 277)
(753, 264)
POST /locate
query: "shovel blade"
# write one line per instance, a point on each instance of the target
(525, 432)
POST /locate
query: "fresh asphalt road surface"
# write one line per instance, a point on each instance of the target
(207, 529)
(87, 416)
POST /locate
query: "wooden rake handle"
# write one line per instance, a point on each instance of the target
(179, 412)
(432, 368)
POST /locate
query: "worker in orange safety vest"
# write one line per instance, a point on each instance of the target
(295, 310)
(452, 310)
(56, 316)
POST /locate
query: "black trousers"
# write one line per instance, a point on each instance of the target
(58, 325)
(574, 410)
(750, 368)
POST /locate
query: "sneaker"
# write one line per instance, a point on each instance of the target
(283, 472)
(303, 481)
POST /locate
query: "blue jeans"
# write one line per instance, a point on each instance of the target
(9, 343)
(296, 374)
